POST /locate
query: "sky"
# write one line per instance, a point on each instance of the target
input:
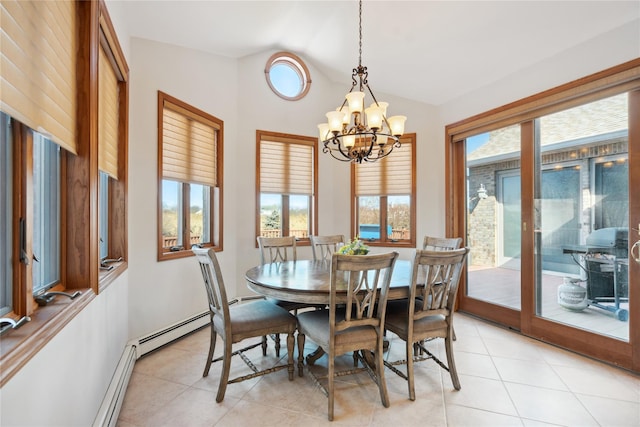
(476, 141)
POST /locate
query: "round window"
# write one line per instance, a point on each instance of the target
(287, 76)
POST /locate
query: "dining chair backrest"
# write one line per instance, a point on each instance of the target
(214, 285)
(277, 249)
(323, 247)
(438, 273)
(441, 243)
(366, 279)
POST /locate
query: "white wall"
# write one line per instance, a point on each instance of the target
(64, 384)
(607, 50)
(165, 292)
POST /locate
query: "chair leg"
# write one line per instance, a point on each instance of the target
(330, 388)
(453, 333)
(301, 339)
(212, 349)
(451, 363)
(411, 353)
(276, 338)
(290, 346)
(382, 384)
(224, 375)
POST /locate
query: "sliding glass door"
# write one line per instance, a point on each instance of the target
(547, 207)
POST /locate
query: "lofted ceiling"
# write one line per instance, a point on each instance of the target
(429, 51)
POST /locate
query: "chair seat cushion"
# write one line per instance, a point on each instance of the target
(397, 321)
(261, 317)
(315, 325)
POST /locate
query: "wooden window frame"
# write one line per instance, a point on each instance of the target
(216, 201)
(384, 240)
(297, 65)
(117, 192)
(313, 211)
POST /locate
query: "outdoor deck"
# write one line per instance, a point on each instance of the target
(502, 286)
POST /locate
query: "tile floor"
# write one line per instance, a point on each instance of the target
(507, 380)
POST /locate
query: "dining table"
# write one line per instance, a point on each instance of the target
(309, 281)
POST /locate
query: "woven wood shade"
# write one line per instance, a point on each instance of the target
(286, 166)
(38, 62)
(390, 175)
(189, 146)
(107, 116)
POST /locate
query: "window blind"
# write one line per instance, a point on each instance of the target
(108, 108)
(388, 176)
(286, 166)
(189, 146)
(38, 62)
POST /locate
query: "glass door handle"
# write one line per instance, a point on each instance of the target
(635, 251)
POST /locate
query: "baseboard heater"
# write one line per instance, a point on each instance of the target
(110, 409)
(177, 330)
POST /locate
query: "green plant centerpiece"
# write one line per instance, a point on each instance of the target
(355, 247)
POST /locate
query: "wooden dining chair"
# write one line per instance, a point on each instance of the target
(428, 312)
(351, 323)
(279, 249)
(441, 243)
(238, 322)
(432, 243)
(323, 247)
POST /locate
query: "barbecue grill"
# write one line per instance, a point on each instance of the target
(606, 262)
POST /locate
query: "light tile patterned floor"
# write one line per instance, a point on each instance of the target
(507, 380)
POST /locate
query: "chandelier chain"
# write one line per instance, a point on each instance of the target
(360, 36)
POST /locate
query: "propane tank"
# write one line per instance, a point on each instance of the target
(571, 295)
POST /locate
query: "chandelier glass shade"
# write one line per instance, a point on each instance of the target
(354, 133)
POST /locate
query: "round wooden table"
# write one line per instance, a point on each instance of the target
(307, 281)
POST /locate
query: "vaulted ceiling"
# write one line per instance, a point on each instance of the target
(430, 51)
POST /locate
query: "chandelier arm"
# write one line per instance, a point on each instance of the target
(371, 144)
(353, 79)
(329, 150)
(347, 154)
(342, 159)
(371, 93)
(346, 157)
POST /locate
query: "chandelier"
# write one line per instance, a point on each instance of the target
(354, 133)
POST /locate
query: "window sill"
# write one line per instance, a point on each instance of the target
(105, 278)
(184, 253)
(18, 346)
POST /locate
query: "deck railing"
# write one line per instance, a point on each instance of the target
(397, 234)
(300, 234)
(172, 241)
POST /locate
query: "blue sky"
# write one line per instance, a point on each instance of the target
(476, 141)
